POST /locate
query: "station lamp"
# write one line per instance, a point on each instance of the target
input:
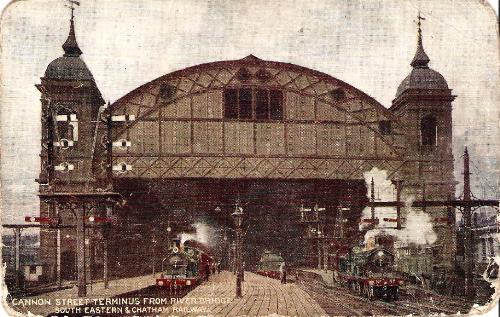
(238, 216)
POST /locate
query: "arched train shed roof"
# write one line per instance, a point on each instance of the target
(252, 61)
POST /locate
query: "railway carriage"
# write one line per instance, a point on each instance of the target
(270, 265)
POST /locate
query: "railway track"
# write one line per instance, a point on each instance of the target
(441, 306)
(339, 301)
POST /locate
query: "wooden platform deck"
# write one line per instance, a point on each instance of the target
(262, 296)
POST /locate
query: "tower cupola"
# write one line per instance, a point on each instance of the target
(69, 66)
(421, 76)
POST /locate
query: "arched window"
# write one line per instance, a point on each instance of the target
(66, 126)
(428, 130)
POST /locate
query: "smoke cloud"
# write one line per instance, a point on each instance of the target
(204, 234)
(418, 228)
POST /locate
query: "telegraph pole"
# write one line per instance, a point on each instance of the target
(17, 250)
(398, 183)
(468, 235)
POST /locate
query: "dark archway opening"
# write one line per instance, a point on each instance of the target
(68, 265)
(272, 217)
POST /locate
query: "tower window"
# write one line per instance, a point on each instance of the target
(428, 130)
(67, 125)
(248, 103)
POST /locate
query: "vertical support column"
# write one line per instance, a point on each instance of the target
(109, 144)
(89, 252)
(372, 199)
(424, 209)
(58, 245)
(238, 271)
(468, 235)
(109, 213)
(242, 263)
(235, 259)
(17, 250)
(80, 250)
(105, 263)
(398, 184)
(153, 255)
(325, 255)
(58, 257)
(319, 253)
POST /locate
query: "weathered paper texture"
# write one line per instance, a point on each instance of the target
(349, 148)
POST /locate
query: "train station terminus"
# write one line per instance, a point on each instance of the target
(182, 149)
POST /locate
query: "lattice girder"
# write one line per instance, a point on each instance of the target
(343, 127)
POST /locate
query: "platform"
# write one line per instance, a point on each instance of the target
(262, 296)
(325, 275)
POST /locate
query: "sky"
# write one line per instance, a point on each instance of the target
(368, 44)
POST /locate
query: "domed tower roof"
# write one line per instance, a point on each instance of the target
(70, 66)
(421, 76)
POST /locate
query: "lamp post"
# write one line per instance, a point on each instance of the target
(153, 241)
(169, 229)
(238, 220)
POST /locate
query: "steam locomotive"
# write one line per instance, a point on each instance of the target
(270, 265)
(370, 273)
(185, 266)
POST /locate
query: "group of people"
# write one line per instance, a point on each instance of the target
(215, 268)
(212, 268)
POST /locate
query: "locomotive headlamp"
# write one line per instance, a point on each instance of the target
(188, 282)
(160, 283)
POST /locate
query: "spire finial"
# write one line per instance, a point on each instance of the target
(71, 46)
(421, 59)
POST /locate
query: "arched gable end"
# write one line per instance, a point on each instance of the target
(253, 110)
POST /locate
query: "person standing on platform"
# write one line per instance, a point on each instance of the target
(283, 273)
(207, 272)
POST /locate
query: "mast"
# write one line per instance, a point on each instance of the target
(468, 234)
